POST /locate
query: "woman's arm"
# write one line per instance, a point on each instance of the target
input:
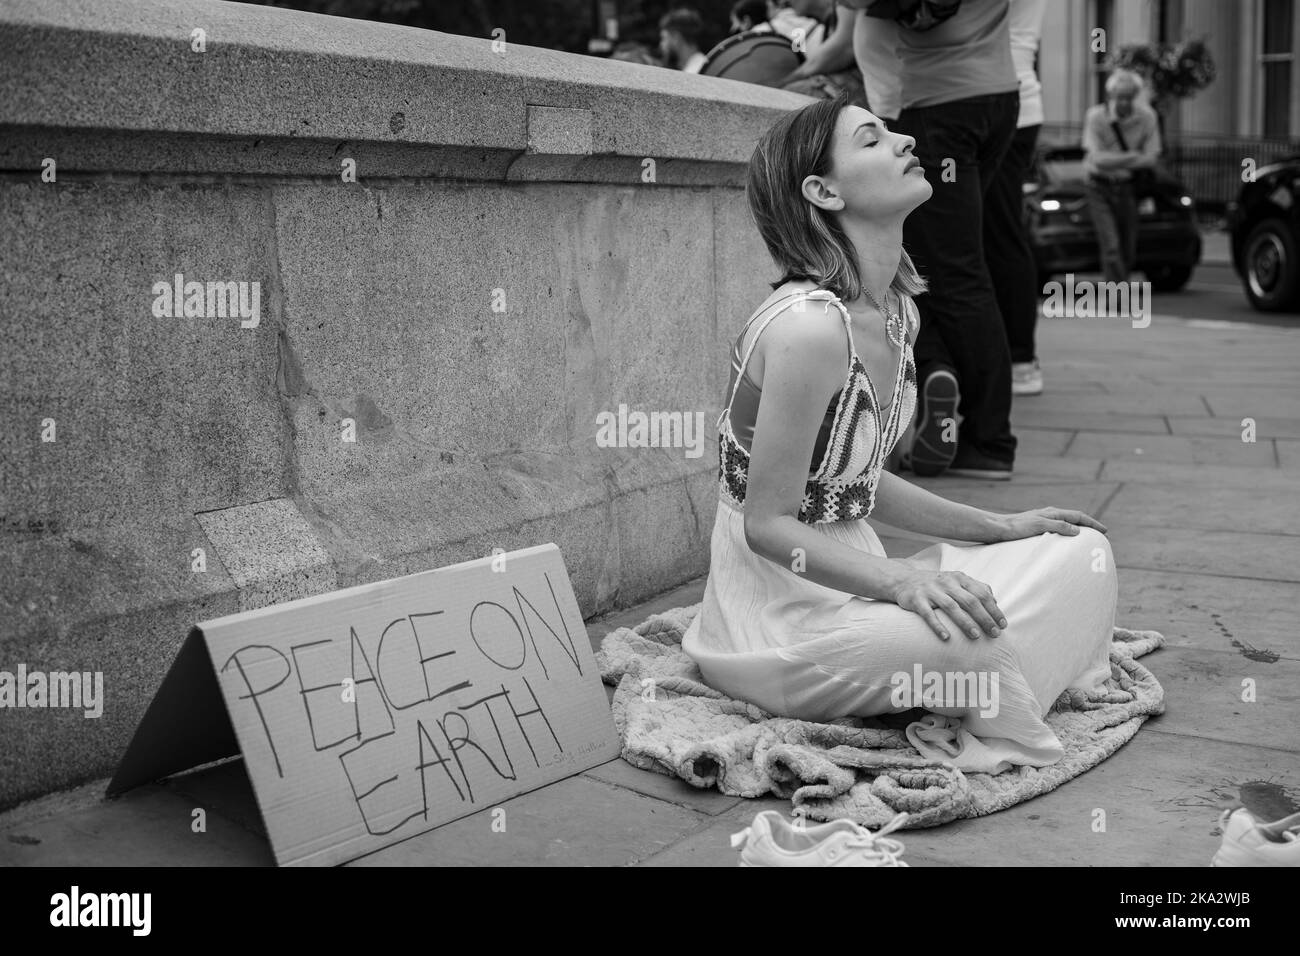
(804, 360)
(904, 505)
(835, 54)
(907, 506)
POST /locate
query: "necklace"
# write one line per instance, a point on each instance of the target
(894, 330)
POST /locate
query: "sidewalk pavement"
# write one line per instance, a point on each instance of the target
(1216, 248)
(1140, 427)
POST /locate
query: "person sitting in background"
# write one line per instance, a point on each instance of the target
(749, 15)
(1120, 137)
(631, 51)
(679, 40)
(829, 69)
(791, 19)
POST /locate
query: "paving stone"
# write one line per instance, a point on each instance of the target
(1268, 483)
(1203, 697)
(224, 788)
(1162, 795)
(1288, 454)
(1175, 448)
(1266, 427)
(1040, 442)
(1215, 508)
(1127, 402)
(1270, 557)
(1238, 403)
(620, 773)
(1028, 470)
(148, 826)
(1028, 417)
(575, 822)
(1211, 612)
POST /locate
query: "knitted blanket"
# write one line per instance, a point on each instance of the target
(671, 722)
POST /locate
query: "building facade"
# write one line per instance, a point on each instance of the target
(1254, 44)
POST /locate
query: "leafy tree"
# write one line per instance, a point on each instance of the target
(1173, 71)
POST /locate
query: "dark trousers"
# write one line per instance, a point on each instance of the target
(1006, 246)
(961, 324)
(1115, 218)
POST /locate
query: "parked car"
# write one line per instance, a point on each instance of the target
(1062, 236)
(1265, 227)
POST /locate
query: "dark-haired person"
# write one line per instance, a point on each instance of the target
(804, 615)
(680, 31)
(749, 15)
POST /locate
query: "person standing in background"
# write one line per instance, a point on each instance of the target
(960, 101)
(1119, 138)
(875, 48)
(1006, 239)
(679, 40)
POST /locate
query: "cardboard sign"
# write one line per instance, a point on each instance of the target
(372, 714)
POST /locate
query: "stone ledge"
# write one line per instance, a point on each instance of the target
(278, 75)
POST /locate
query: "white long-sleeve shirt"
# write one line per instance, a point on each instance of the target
(1026, 29)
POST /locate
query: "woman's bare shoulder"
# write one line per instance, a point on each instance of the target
(810, 331)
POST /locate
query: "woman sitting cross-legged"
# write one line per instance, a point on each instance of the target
(803, 614)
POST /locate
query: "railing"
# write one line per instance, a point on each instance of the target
(1210, 166)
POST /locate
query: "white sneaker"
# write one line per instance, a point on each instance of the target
(1248, 842)
(771, 841)
(1026, 378)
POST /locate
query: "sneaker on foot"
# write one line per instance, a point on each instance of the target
(1249, 842)
(971, 464)
(936, 418)
(1026, 378)
(771, 841)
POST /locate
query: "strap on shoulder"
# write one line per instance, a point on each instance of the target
(771, 312)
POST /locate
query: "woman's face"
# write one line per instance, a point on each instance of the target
(873, 173)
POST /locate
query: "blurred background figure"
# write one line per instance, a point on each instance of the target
(810, 21)
(960, 101)
(828, 67)
(1121, 140)
(749, 15)
(1006, 238)
(680, 31)
(631, 51)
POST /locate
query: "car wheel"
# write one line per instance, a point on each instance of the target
(1272, 271)
(1168, 278)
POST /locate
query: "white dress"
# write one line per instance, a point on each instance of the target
(768, 635)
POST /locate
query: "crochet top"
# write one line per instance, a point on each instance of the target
(854, 439)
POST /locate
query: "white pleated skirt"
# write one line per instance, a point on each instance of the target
(768, 635)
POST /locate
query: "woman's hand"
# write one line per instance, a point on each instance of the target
(968, 602)
(1029, 524)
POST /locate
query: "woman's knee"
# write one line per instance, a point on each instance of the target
(1092, 547)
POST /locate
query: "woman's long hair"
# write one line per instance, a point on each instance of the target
(805, 241)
